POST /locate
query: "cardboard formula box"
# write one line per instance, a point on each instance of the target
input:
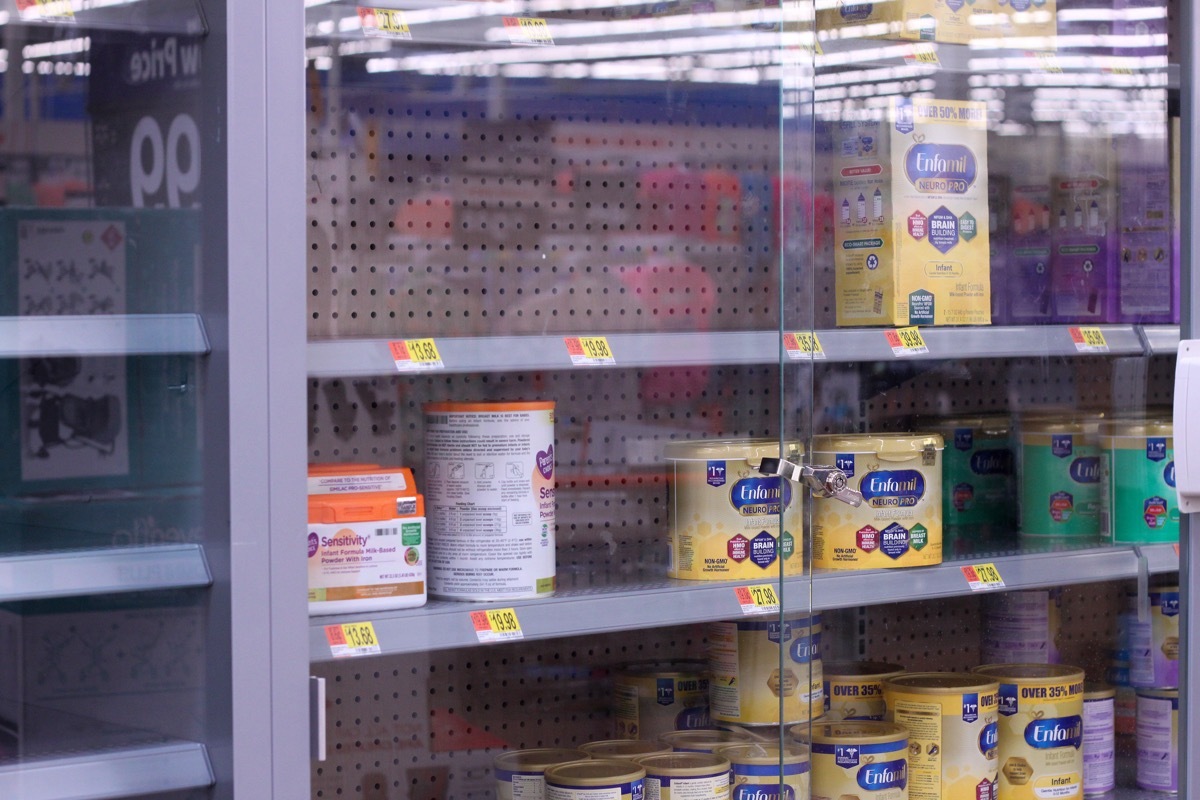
(949, 21)
(911, 206)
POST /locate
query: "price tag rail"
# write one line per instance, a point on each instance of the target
(654, 603)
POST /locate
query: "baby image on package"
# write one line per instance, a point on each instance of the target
(911, 215)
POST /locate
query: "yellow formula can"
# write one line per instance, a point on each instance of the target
(865, 760)
(853, 690)
(767, 771)
(686, 776)
(899, 523)
(952, 731)
(651, 699)
(752, 664)
(725, 513)
(629, 749)
(520, 773)
(1041, 730)
(599, 779)
(705, 741)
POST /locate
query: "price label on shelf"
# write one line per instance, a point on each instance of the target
(759, 599)
(413, 355)
(528, 31)
(46, 10)
(983, 577)
(906, 342)
(803, 345)
(383, 23)
(589, 351)
(352, 639)
(497, 625)
(922, 53)
(1088, 340)
(1046, 61)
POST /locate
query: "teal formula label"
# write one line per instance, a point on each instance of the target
(1060, 484)
(977, 483)
(1140, 501)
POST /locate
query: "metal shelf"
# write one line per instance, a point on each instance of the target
(103, 335)
(364, 357)
(110, 774)
(72, 573)
(648, 602)
(1161, 340)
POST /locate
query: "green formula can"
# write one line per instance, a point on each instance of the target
(1060, 476)
(978, 479)
(1140, 504)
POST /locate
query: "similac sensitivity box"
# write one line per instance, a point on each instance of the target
(911, 215)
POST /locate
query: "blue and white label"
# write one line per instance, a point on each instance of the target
(716, 473)
(1085, 470)
(989, 738)
(1008, 699)
(756, 497)
(844, 462)
(763, 549)
(1167, 602)
(1156, 448)
(665, 691)
(884, 775)
(964, 438)
(1051, 732)
(904, 116)
(970, 707)
(939, 168)
(845, 755)
(1061, 445)
(943, 230)
(855, 12)
(901, 488)
(1169, 474)
(894, 540)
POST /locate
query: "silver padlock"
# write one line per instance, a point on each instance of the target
(823, 481)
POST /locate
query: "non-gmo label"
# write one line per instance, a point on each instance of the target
(410, 533)
(920, 307)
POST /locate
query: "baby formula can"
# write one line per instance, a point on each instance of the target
(490, 484)
(1158, 739)
(853, 690)
(651, 699)
(1060, 478)
(978, 480)
(597, 779)
(725, 513)
(705, 741)
(863, 759)
(1099, 739)
(627, 749)
(759, 768)
(1041, 730)
(1140, 503)
(366, 549)
(746, 679)
(686, 776)
(952, 729)
(1154, 645)
(1021, 627)
(899, 523)
(519, 773)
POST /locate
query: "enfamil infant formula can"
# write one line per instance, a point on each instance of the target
(854, 689)
(520, 773)
(762, 771)
(686, 776)
(651, 699)
(725, 513)
(862, 759)
(598, 779)
(753, 664)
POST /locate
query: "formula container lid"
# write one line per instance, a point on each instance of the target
(857, 731)
(704, 741)
(624, 748)
(683, 765)
(751, 450)
(1030, 673)
(888, 446)
(939, 683)
(467, 408)
(1136, 428)
(840, 670)
(663, 669)
(1079, 423)
(761, 754)
(330, 509)
(537, 759)
(597, 772)
(348, 478)
(1094, 690)
(1161, 692)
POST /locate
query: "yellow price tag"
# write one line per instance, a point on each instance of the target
(385, 23)
(46, 10)
(496, 624)
(352, 639)
(923, 54)
(1048, 62)
(528, 30)
(906, 342)
(759, 599)
(589, 350)
(803, 345)
(416, 354)
(981, 577)
(1089, 340)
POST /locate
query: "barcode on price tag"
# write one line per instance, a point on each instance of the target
(497, 625)
(803, 345)
(589, 351)
(352, 639)
(760, 599)
(1088, 340)
(383, 23)
(982, 577)
(412, 355)
(906, 342)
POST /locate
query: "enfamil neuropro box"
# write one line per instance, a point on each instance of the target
(911, 215)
